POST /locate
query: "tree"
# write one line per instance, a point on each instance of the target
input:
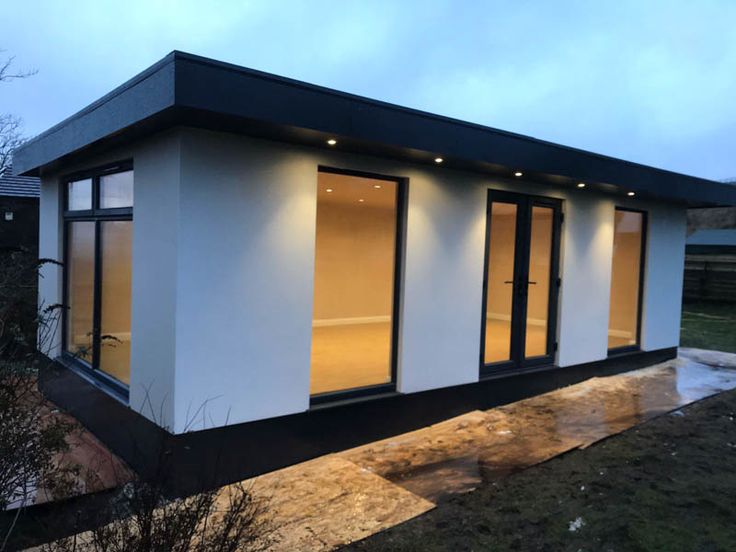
(30, 439)
(10, 125)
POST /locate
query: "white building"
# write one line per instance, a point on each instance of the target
(239, 247)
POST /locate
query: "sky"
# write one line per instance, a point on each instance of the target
(651, 81)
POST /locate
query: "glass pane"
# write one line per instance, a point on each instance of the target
(623, 322)
(353, 282)
(80, 288)
(79, 195)
(116, 190)
(540, 257)
(500, 293)
(116, 243)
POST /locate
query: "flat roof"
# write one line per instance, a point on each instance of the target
(187, 90)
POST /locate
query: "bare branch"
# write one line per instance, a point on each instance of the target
(10, 138)
(6, 75)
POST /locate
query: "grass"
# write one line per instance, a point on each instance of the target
(709, 326)
(665, 485)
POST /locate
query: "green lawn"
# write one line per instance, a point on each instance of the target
(667, 485)
(709, 326)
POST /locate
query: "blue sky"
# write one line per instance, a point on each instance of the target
(647, 80)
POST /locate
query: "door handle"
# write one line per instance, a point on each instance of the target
(508, 282)
(532, 283)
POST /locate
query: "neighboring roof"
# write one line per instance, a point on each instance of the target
(18, 186)
(183, 89)
(713, 237)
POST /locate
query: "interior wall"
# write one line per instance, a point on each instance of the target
(502, 248)
(625, 274)
(355, 244)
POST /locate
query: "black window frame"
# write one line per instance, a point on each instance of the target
(613, 351)
(519, 363)
(402, 187)
(97, 215)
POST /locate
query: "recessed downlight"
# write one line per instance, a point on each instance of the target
(361, 200)
(328, 190)
(438, 160)
(581, 184)
(631, 194)
(377, 186)
(518, 173)
(332, 142)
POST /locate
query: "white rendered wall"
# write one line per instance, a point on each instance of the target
(245, 271)
(155, 229)
(664, 272)
(51, 276)
(156, 223)
(223, 255)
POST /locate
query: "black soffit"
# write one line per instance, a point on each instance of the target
(187, 90)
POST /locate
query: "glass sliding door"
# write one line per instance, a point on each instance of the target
(626, 279)
(538, 283)
(355, 276)
(500, 296)
(116, 239)
(80, 288)
(98, 210)
(520, 284)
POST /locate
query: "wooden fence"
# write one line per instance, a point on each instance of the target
(710, 278)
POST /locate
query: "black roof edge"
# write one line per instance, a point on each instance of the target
(163, 96)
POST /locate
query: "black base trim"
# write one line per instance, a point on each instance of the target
(227, 454)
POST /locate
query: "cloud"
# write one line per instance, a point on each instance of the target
(651, 81)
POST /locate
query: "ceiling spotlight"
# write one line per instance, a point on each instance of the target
(631, 194)
(328, 190)
(438, 160)
(581, 184)
(332, 141)
(361, 200)
(518, 173)
(377, 186)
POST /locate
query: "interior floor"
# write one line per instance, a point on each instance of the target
(357, 355)
(498, 338)
(614, 342)
(350, 355)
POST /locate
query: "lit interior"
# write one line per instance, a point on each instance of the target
(80, 293)
(116, 299)
(353, 282)
(623, 322)
(500, 292)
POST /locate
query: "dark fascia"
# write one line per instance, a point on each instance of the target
(187, 90)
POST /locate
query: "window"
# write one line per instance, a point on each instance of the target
(626, 279)
(98, 266)
(355, 275)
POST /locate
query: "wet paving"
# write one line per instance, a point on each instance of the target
(87, 464)
(339, 498)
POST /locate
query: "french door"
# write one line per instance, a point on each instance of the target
(520, 282)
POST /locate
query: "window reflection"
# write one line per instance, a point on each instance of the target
(116, 190)
(80, 288)
(79, 195)
(117, 238)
